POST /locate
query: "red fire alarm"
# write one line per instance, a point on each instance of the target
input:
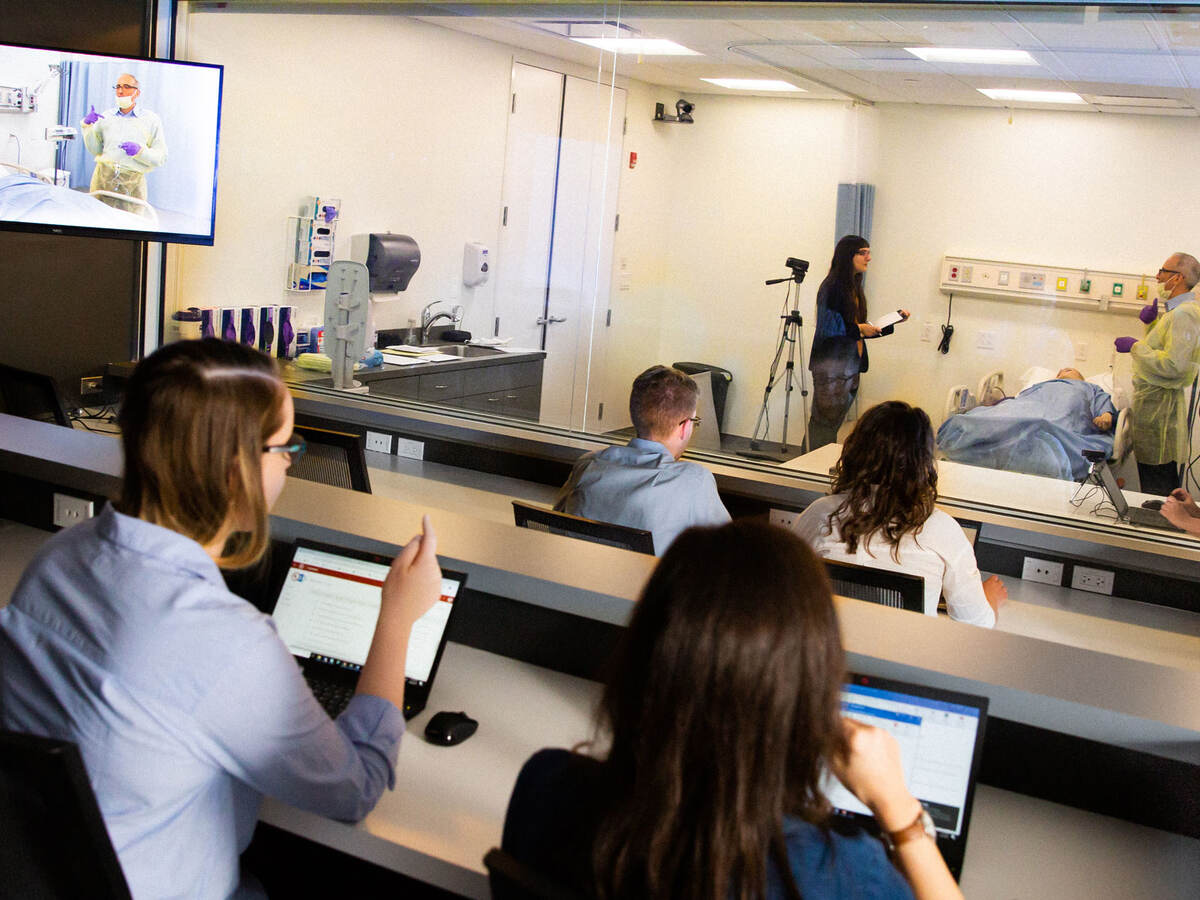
(632, 159)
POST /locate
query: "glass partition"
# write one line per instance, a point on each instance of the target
(633, 206)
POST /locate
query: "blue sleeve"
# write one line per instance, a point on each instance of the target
(1102, 403)
(262, 724)
(830, 322)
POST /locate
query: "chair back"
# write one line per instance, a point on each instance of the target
(333, 457)
(511, 879)
(53, 842)
(895, 589)
(539, 518)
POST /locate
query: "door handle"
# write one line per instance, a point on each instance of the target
(552, 320)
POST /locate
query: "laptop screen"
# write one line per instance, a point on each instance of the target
(1108, 481)
(329, 603)
(940, 735)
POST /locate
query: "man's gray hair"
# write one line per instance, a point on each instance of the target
(1189, 267)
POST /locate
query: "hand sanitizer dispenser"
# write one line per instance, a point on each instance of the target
(475, 264)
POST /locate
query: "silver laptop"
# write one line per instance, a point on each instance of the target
(1134, 515)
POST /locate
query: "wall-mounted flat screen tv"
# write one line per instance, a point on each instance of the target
(108, 146)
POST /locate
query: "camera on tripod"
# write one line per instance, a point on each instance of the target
(798, 266)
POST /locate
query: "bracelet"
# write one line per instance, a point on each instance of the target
(921, 826)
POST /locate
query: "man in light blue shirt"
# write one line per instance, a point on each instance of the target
(186, 705)
(645, 484)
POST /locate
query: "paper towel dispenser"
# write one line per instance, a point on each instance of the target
(391, 260)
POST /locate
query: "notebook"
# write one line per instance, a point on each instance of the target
(326, 611)
(941, 741)
(1134, 515)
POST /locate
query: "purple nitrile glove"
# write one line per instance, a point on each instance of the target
(1123, 344)
(92, 117)
(1149, 312)
(131, 148)
(329, 213)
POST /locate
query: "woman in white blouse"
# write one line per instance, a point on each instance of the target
(881, 513)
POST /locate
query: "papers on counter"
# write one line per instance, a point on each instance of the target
(888, 319)
(401, 359)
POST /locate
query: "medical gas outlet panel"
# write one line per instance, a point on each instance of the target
(1095, 289)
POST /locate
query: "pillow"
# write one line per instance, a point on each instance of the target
(1036, 375)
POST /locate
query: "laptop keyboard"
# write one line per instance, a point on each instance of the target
(332, 696)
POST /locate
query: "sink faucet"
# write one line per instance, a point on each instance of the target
(427, 319)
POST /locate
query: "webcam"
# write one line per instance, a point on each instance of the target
(683, 110)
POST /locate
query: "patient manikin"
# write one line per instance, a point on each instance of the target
(1042, 431)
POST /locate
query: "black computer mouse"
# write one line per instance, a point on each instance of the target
(1152, 504)
(449, 728)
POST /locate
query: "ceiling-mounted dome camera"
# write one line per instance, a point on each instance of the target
(683, 109)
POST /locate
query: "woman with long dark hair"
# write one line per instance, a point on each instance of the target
(881, 513)
(185, 703)
(839, 350)
(723, 712)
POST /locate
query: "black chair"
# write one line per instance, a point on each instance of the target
(511, 879)
(53, 843)
(31, 395)
(539, 518)
(337, 458)
(895, 589)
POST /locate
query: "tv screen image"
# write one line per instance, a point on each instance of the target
(108, 146)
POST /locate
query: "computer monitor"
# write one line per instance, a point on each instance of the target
(895, 589)
(337, 458)
(539, 518)
(31, 395)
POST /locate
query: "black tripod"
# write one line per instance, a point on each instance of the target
(791, 337)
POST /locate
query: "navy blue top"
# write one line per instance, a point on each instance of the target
(837, 333)
(559, 799)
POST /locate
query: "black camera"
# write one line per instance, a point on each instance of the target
(683, 110)
(797, 265)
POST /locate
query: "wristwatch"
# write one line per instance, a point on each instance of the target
(921, 826)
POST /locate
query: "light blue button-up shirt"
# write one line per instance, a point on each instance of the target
(185, 703)
(643, 486)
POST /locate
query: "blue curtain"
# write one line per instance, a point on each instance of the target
(855, 209)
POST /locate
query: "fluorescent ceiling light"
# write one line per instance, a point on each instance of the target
(1032, 96)
(1120, 100)
(754, 84)
(974, 56)
(641, 46)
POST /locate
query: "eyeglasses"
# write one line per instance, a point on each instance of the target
(125, 87)
(294, 448)
(865, 251)
(1170, 271)
(695, 420)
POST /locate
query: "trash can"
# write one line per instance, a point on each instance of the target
(720, 385)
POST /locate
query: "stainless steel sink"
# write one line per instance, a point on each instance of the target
(465, 351)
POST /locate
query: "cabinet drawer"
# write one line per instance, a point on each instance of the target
(441, 386)
(488, 379)
(407, 388)
(492, 403)
(523, 402)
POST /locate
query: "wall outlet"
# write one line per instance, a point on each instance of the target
(1042, 570)
(410, 449)
(784, 518)
(986, 340)
(70, 510)
(379, 442)
(1098, 581)
(928, 331)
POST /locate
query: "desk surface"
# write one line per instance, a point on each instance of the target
(449, 803)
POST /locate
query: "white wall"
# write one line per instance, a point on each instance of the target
(1056, 188)
(23, 134)
(403, 121)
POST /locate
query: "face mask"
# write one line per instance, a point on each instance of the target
(124, 101)
(1164, 290)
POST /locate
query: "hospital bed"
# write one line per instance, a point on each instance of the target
(994, 386)
(29, 196)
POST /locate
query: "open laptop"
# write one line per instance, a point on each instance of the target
(941, 741)
(1134, 515)
(326, 612)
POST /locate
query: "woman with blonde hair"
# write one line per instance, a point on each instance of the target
(187, 707)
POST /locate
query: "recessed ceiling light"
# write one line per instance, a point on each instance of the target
(1119, 100)
(754, 84)
(973, 55)
(1032, 96)
(641, 46)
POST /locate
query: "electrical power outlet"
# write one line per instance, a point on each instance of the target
(928, 331)
(378, 441)
(70, 510)
(986, 340)
(1042, 570)
(410, 449)
(1098, 581)
(784, 518)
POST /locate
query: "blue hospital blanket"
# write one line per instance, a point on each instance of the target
(26, 199)
(1042, 431)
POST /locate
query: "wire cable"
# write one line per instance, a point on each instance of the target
(947, 329)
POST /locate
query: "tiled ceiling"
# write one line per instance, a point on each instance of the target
(855, 51)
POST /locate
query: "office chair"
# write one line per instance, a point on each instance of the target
(31, 395)
(54, 843)
(337, 458)
(539, 518)
(511, 879)
(895, 589)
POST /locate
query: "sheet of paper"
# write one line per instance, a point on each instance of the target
(395, 359)
(888, 319)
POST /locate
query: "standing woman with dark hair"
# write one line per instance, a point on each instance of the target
(839, 350)
(723, 711)
(187, 707)
(881, 513)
